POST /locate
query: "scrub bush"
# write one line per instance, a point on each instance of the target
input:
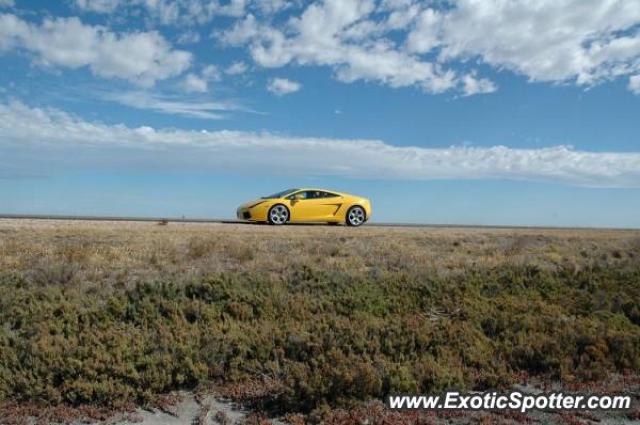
(327, 338)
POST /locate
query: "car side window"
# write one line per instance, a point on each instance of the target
(328, 195)
(299, 195)
(312, 194)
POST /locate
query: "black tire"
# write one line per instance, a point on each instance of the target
(278, 215)
(356, 216)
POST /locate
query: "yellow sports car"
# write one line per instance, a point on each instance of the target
(307, 205)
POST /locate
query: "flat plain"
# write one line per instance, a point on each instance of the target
(310, 323)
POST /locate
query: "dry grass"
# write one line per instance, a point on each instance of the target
(98, 253)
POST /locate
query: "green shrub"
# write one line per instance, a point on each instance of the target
(326, 337)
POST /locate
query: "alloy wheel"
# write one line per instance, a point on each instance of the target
(278, 214)
(355, 216)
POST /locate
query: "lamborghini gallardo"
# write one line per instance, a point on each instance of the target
(307, 205)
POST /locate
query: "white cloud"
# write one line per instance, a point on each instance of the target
(211, 73)
(282, 86)
(194, 84)
(184, 12)
(7, 3)
(398, 43)
(425, 35)
(233, 8)
(140, 57)
(173, 105)
(99, 6)
(339, 34)
(54, 132)
(472, 85)
(271, 7)
(634, 84)
(412, 43)
(188, 37)
(557, 41)
(242, 31)
(236, 68)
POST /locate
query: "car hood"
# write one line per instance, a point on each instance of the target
(252, 203)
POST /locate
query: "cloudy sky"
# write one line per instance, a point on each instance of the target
(461, 111)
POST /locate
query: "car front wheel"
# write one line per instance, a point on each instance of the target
(278, 214)
(355, 216)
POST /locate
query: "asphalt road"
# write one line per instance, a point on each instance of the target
(230, 221)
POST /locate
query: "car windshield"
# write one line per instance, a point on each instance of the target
(280, 194)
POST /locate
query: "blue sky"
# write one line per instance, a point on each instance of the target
(189, 107)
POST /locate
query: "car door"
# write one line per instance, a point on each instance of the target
(313, 205)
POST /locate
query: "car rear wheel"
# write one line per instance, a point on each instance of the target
(355, 216)
(278, 214)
